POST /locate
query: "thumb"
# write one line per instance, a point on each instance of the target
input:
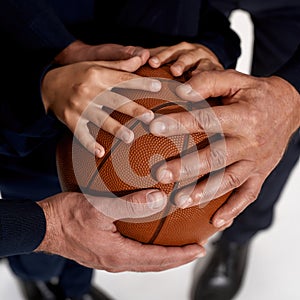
(211, 84)
(136, 205)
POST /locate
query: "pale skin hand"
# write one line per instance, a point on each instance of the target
(184, 57)
(86, 233)
(258, 117)
(79, 51)
(68, 92)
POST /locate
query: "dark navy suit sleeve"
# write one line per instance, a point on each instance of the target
(291, 70)
(216, 34)
(34, 25)
(22, 226)
(32, 35)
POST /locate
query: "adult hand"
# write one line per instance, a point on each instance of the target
(70, 93)
(185, 56)
(84, 230)
(79, 51)
(258, 117)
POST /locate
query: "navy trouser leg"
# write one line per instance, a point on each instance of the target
(34, 177)
(74, 279)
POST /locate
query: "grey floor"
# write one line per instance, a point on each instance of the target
(273, 263)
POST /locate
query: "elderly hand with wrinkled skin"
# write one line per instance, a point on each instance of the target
(258, 117)
(82, 228)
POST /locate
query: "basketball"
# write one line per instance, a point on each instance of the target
(127, 168)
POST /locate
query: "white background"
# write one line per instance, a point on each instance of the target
(273, 268)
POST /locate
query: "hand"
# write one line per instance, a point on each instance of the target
(84, 231)
(186, 56)
(79, 51)
(258, 117)
(70, 93)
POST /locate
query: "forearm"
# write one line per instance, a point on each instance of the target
(22, 226)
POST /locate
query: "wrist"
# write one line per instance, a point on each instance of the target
(51, 241)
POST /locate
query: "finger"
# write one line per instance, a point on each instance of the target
(173, 258)
(136, 205)
(186, 61)
(169, 54)
(83, 135)
(237, 202)
(104, 121)
(128, 65)
(124, 105)
(226, 225)
(141, 83)
(107, 78)
(154, 51)
(147, 258)
(212, 84)
(215, 186)
(211, 158)
(143, 53)
(217, 119)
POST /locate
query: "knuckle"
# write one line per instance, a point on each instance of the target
(185, 45)
(80, 89)
(136, 109)
(92, 72)
(186, 170)
(129, 49)
(218, 158)
(250, 197)
(205, 120)
(233, 181)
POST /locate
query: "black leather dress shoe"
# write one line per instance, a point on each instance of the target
(40, 290)
(223, 274)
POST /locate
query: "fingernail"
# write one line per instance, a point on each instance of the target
(158, 128)
(184, 201)
(155, 60)
(219, 223)
(147, 117)
(127, 136)
(156, 200)
(164, 176)
(177, 70)
(155, 86)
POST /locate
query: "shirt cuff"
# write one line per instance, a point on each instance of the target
(22, 226)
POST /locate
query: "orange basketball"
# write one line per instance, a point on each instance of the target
(126, 168)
